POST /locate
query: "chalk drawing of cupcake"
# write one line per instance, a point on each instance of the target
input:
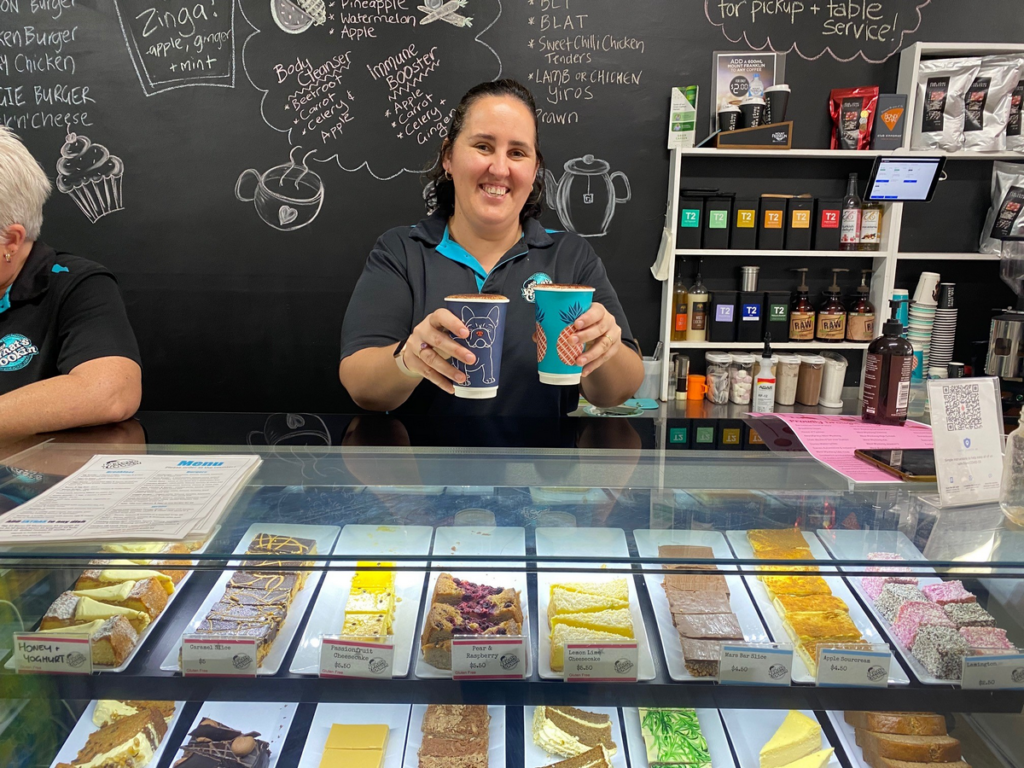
(91, 176)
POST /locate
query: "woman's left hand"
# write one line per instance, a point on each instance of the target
(598, 330)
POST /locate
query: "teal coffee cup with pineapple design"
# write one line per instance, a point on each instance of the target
(558, 309)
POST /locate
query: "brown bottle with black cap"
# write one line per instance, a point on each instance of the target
(831, 327)
(887, 371)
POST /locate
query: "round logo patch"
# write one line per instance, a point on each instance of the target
(537, 278)
(16, 351)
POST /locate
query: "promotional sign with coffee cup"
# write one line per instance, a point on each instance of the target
(558, 309)
(484, 315)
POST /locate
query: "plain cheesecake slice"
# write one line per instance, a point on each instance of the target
(818, 759)
(797, 737)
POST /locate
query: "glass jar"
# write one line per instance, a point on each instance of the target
(808, 384)
(741, 378)
(786, 378)
(718, 376)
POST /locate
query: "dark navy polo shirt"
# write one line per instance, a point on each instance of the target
(60, 312)
(412, 269)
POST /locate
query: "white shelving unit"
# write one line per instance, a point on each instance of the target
(884, 261)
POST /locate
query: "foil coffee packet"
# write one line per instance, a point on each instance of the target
(853, 116)
(942, 85)
(987, 103)
(1014, 135)
(1009, 223)
(1005, 176)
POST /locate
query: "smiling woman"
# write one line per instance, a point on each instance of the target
(485, 193)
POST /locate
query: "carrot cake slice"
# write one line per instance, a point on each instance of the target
(568, 731)
(126, 743)
(597, 757)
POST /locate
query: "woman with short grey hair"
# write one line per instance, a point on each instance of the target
(68, 356)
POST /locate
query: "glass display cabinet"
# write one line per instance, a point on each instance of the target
(622, 608)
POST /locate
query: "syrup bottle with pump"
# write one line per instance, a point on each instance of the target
(802, 314)
(860, 323)
(887, 370)
(832, 313)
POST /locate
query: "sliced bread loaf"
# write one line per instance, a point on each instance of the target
(905, 723)
(921, 749)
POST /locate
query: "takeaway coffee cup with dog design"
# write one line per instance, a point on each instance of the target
(558, 309)
(484, 316)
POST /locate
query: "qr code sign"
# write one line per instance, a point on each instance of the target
(963, 407)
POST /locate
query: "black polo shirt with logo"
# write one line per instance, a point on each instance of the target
(412, 269)
(60, 312)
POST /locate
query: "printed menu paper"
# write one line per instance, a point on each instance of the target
(118, 498)
(833, 439)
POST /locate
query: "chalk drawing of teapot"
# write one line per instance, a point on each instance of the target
(585, 197)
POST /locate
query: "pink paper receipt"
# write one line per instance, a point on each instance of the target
(948, 592)
(833, 439)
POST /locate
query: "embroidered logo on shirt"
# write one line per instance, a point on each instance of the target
(57, 268)
(5, 301)
(16, 351)
(537, 278)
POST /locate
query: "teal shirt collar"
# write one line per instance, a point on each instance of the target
(452, 250)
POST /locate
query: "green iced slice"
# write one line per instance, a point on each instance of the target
(673, 737)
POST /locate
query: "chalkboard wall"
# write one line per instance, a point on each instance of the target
(209, 103)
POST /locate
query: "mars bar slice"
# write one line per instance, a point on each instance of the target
(701, 656)
(698, 602)
(696, 582)
(709, 626)
(682, 552)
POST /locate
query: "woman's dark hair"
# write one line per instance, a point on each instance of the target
(440, 190)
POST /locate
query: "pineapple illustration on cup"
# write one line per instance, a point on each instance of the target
(558, 309)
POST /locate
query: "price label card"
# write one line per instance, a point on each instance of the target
(755, 664)
(601, 662)
(503, 658)
(210, 656)
(356, 657)
(63, 654)
(989, 673)
(853, 668)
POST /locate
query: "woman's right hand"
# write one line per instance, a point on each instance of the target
(430, 346)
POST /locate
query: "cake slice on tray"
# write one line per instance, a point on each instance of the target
(563, 634)
(143, 595)
(455, 736)
(215, 745)
(459, 607)
(672, 737)
(796, 744)
(597, 757)
(568, 731)
(129, 742)
(566, 601)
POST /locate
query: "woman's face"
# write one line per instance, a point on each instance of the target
(493, 162)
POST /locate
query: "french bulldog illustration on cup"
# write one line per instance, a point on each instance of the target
(481, 341)
(484, 316)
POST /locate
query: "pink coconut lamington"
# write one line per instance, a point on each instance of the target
(948, 592)
(889, 557)
(913, 616)
(873, 585)
(986, 637)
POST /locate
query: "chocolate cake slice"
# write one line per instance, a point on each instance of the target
(698, 602)
(215, 745)
(274, 544)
